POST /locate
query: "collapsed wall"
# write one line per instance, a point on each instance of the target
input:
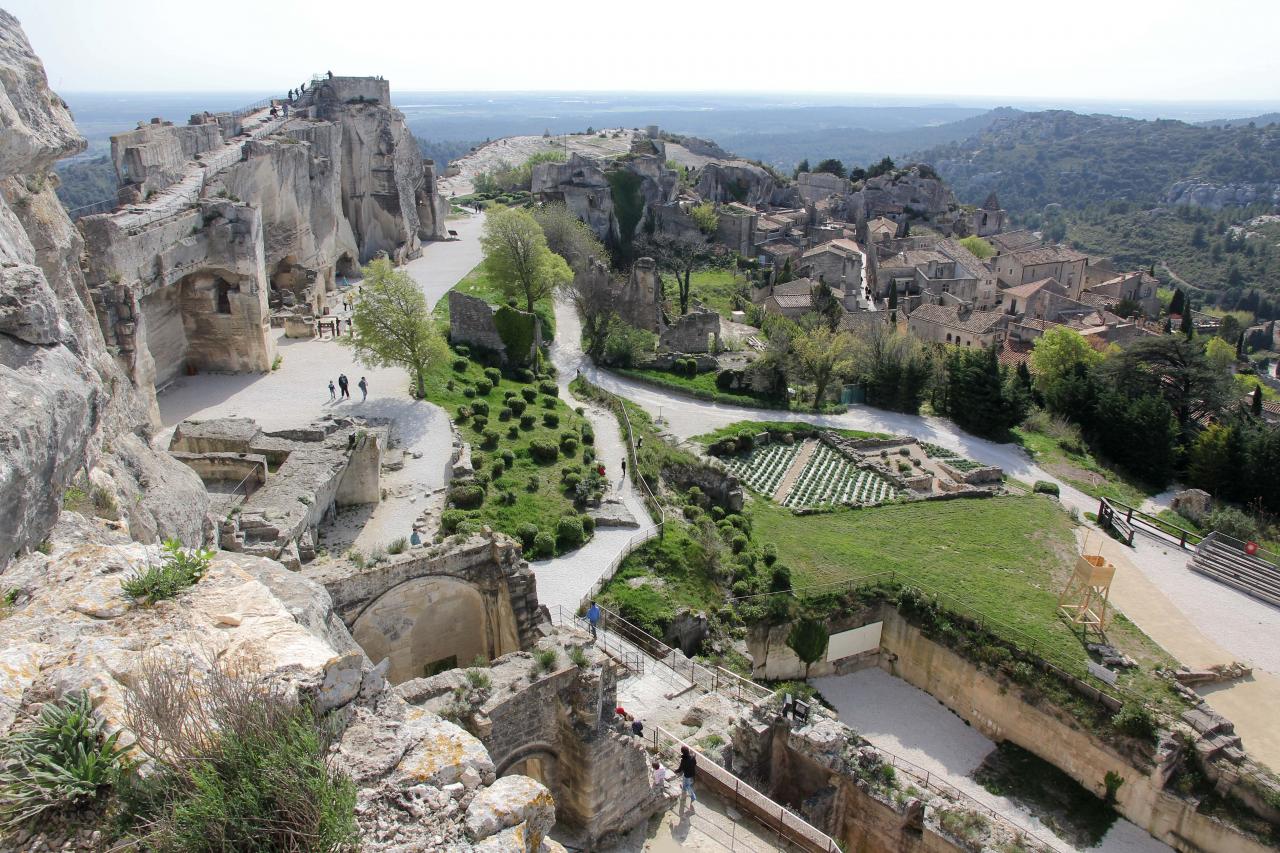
(68, 412)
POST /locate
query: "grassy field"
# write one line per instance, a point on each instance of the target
(477, 283)
(1005, 559)
(778, 426)
(702, 386)
(1082, 470)
(716, 288)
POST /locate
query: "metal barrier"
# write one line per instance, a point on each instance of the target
(788, 826)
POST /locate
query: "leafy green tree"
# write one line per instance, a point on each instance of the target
(822, 354)
(392, 326)
(979, 395)
(978, 247)
(1220, 353)
(884, 167)
(802, 166)
(517, 258)
(1175, 368)
(705, 217)
(1210, 462)
(1138, 433)
(831, 166)
(1229, 330)
(567, 235)
(808, 639)
(1057, 359)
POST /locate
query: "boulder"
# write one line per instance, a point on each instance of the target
(510, 802)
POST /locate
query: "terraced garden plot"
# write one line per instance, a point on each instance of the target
(829, 478)
(955, 460)
(762, 468)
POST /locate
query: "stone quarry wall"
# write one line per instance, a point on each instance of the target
(993, 708)
(70, 411)
(772, 659)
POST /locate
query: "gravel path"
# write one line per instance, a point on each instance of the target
(565, 580)
(911, 724)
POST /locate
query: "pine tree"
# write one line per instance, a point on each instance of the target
(1186, 328)
(893, 296)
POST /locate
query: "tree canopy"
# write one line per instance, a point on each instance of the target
(808, 639)
(822, 354)
(517, 258)
(392, 326)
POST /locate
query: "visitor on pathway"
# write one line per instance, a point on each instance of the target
(332, 393)
(688, 769)
(660, 775)
(415, 540)
(637, 728)
(364, 389)
(342, 385)
(624, 471)
(639, 442)
(593, 619)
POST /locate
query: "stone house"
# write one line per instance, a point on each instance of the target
(947, 324)
(881, 228)
(1033, 264)
(840, 263)
(988, 219)
(1135, 286)
(791, 299)
(1019, 300)
(1012, 241)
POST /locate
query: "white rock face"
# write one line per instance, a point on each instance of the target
(509, 804)
(64, 401)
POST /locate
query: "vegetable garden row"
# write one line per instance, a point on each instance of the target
(829, 478)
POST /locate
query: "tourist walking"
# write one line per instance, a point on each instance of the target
(593, 618)
(332, 393)
(637, 728)
(624, 471)
(364, 389)
(342, 385)
(688, 769)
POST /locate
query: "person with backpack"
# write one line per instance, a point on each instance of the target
(688, 769)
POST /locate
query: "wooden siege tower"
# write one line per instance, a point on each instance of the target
(1084, 599)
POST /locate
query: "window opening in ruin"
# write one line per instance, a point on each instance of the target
(439, 666)
(224, 297)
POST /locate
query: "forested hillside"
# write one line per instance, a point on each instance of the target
(1059, 157)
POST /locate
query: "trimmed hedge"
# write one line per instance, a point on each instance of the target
(550, 419)
(544, 544)
(527, 421)
(467, 495)
(526, 533)
(1044, 487)
(569, 532)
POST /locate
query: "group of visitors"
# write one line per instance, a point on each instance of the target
(343, 389)
(687, 770)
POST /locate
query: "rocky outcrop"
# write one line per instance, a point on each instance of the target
(613, 197)
(67, 411)
(1195, 192)
(388, 193)
(744, 182)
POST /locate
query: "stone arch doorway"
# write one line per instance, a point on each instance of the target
(346, 268)
(428, 624)
(194, 324)
(537, 760)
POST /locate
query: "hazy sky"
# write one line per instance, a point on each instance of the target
(1111, 50)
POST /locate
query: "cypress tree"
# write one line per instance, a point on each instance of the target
(1257, 400)
(1178, 303)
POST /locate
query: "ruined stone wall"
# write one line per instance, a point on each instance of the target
(70, 410)
(695, 332)
(156, 155)
(994, 708)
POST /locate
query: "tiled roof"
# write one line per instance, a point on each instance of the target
(977, 322)
(1047, 255)
(1030, 289)
(1011, 241)
(843, 245)
(1013, 353)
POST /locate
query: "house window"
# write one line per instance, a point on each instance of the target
(948, 337)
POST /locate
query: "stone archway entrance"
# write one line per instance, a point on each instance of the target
(428, 624)
(537, 761)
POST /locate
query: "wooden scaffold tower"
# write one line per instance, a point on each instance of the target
(1083, 601)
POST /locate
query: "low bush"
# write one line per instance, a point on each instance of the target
(527, 421)
(524, 374)
(571, 479)
(483, 387)
(451, 518)
(490, 441)
(588, 524)
(548, 388)
(526, 533)
(543, 451)
(494, 375)
(509, 457)
(529, 394)
(588, 435)
(497, 469)
(738, 543)
(568, 446)
(464, 414)
(466, 495)
(534, 484)
(480, 407)
(545, 660)
(460, 365)
(513, 431)
(469, 392)
(517, 405)
(548, 402)
(1230, 521)
(504, 414)
(398, 546)
(479, 422)
(1045, 487)
(544, 544)
(1134, 720)
(550, 420)
(578, 657)
(569, 532)
(178, 569)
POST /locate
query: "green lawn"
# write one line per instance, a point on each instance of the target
(675, 576)
(477, 283)
(703, 386)
(1082, 471)
(754, 427)
(1003, 559)
(716, 288)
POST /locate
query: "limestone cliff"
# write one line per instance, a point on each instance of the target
(66, 409)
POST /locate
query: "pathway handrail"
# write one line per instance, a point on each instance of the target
(786, 824)
(1134, 517)
(1232, 542)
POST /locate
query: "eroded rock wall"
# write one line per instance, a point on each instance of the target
(66, 410)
